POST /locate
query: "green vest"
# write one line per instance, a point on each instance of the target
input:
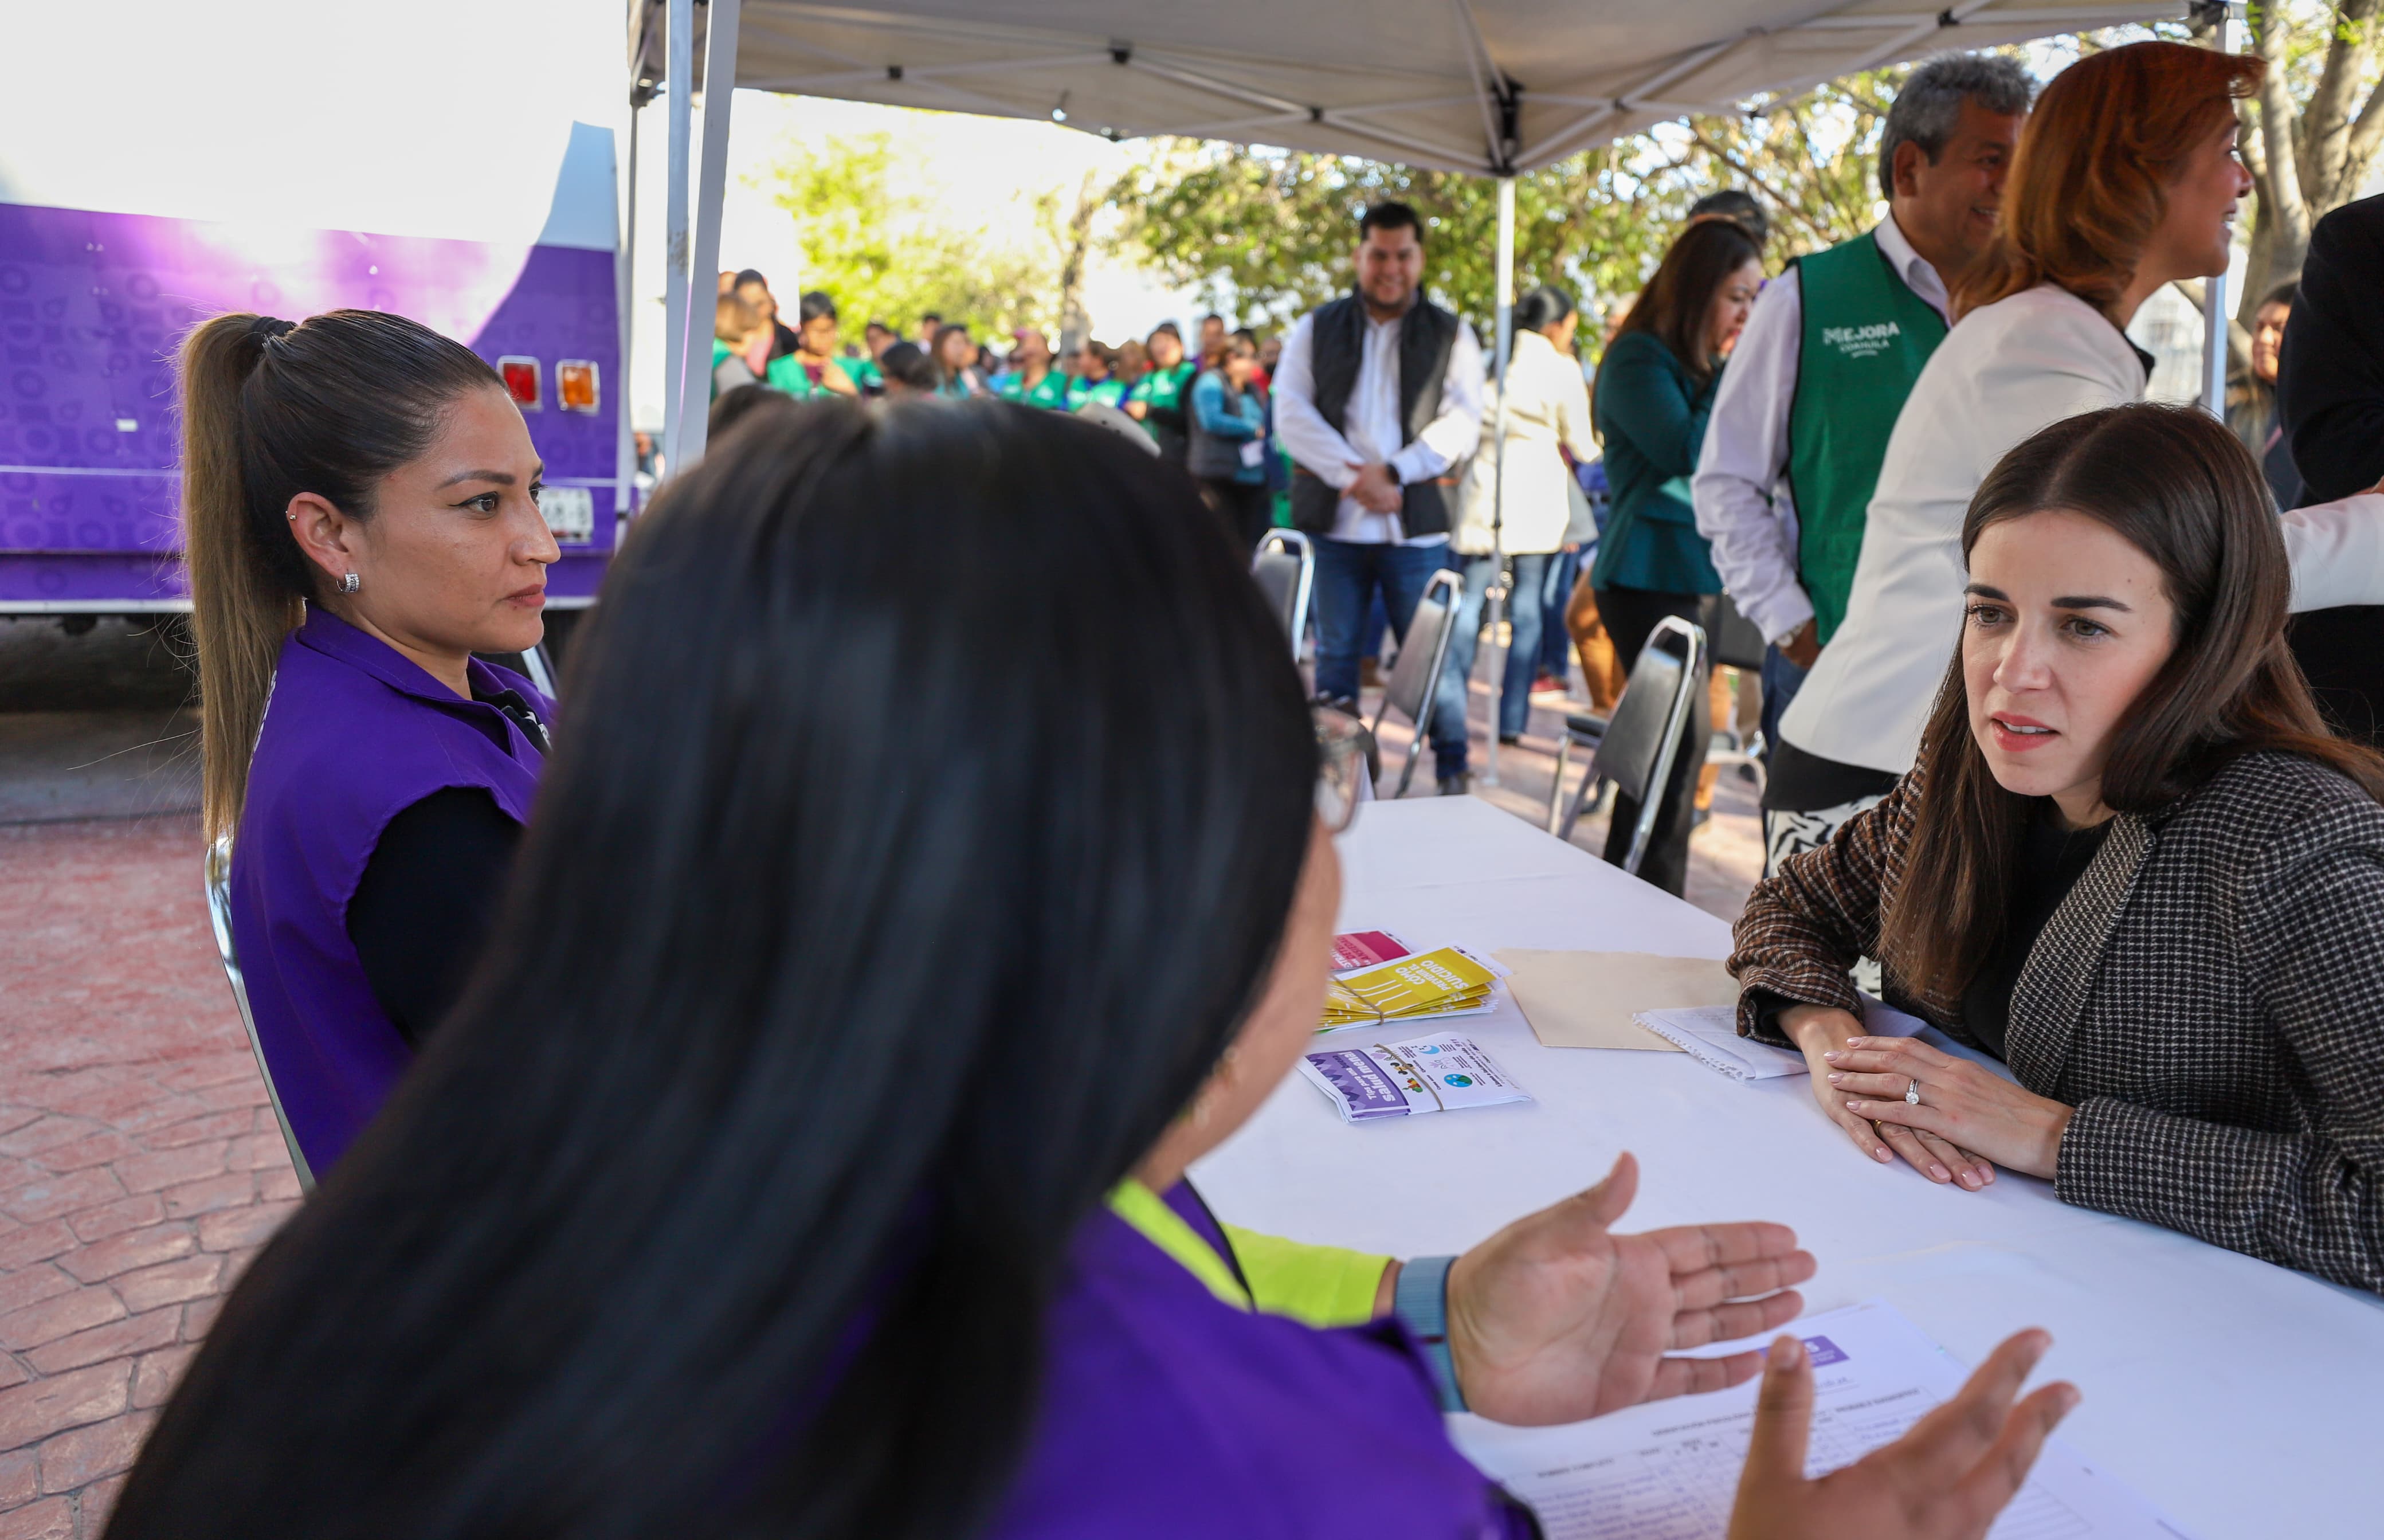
(1866, 336)
(1050, 391)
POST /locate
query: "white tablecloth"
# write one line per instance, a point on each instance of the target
(2245, 1399)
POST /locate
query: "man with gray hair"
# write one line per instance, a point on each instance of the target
(1802, 418)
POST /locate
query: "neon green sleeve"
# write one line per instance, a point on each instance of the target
(1318, 1286)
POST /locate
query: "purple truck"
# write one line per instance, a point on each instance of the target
(91, 305)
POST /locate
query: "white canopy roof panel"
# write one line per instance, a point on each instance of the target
(1485, 86)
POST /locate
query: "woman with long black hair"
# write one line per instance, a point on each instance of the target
(806, 1159)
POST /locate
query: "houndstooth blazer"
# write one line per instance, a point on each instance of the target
(2209, 998)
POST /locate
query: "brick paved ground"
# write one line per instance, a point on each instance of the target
(140, 1164)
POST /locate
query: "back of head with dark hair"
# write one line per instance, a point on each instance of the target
(849, 962)
(269, 410)
(748, 274)
(813, 306)
(909, 363)
(1542, 308)
(1739, 207)
(1389, 215)
(1928, 109)
(740, 402)
(2177, 484)
(1676, 304)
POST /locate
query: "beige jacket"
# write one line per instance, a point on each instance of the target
(1549, 405)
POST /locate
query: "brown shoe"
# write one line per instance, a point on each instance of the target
(1369, 673)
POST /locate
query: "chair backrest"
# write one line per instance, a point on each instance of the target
(1735, 642)
(1648, 722)
(1285, 567)
(1424, 649)
(218, 878)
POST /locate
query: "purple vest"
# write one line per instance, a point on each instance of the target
(356, 733)
(1169, 1414)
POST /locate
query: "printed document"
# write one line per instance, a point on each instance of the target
(1668, 1471)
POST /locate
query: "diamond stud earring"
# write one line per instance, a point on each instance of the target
(350, 583)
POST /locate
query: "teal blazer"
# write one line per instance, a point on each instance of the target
(1652, 416)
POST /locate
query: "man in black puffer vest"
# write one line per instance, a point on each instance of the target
(1377, 398)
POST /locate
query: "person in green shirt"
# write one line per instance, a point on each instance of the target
(1158, 399)
(1096, 377)
(1654, 388)
(1031, 381)
(816, 366)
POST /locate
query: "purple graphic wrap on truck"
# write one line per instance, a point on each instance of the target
(91, 305)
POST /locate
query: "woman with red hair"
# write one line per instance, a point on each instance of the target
(2127, 179)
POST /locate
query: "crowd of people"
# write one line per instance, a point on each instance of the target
(549, 1008)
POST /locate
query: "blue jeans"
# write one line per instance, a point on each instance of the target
(1348, 575)
(1555, 592)
(1449, 714)
(1781, 679)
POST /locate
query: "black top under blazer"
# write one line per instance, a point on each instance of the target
(2209, 998)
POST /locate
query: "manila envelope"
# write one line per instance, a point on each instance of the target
(1586, 999)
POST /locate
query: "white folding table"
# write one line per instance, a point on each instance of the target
(2245, 1399)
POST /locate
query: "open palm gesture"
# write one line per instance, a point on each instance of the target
(1556, 1317)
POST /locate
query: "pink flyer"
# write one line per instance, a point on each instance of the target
(1364, 949)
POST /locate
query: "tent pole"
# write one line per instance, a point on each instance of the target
(679, 71)
(2213, 288)
(719, 88)
(1499, 589)
(625, 260)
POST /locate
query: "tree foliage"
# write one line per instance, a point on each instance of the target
(886, 252)
(2311, 136)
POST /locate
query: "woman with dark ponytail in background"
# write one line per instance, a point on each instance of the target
(361, 517)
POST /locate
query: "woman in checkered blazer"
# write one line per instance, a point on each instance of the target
(2132, 863)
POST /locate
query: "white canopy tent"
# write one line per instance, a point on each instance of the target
(1496, 87)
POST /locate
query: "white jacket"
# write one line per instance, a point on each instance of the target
(2005, 371)
(1547, 405)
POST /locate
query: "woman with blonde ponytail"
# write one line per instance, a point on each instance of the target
(360, 513)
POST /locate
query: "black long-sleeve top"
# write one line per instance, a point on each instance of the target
(429, 894)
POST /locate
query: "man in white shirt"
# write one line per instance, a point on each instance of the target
(1377, 397)
(1781, 493)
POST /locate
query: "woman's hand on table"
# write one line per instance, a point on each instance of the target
(1947, 1479)
(1822, 1032)
(1555, 1317)
(1960, 1102)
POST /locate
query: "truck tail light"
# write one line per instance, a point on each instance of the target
(521, 381)
(575, 385)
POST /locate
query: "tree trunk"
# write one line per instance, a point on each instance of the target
(2327, 120)
(2283, 206)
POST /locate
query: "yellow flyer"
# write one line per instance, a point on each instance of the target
(1449, 981)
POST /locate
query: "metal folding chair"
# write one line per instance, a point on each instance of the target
(218, 876)
(1639, 747)
(1285, 565)
(1424, 652)
(1734, 641)
(534, 665)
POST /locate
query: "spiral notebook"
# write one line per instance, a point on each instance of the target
(1709, 1034)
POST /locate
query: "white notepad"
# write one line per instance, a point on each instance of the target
(1709, 1034)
